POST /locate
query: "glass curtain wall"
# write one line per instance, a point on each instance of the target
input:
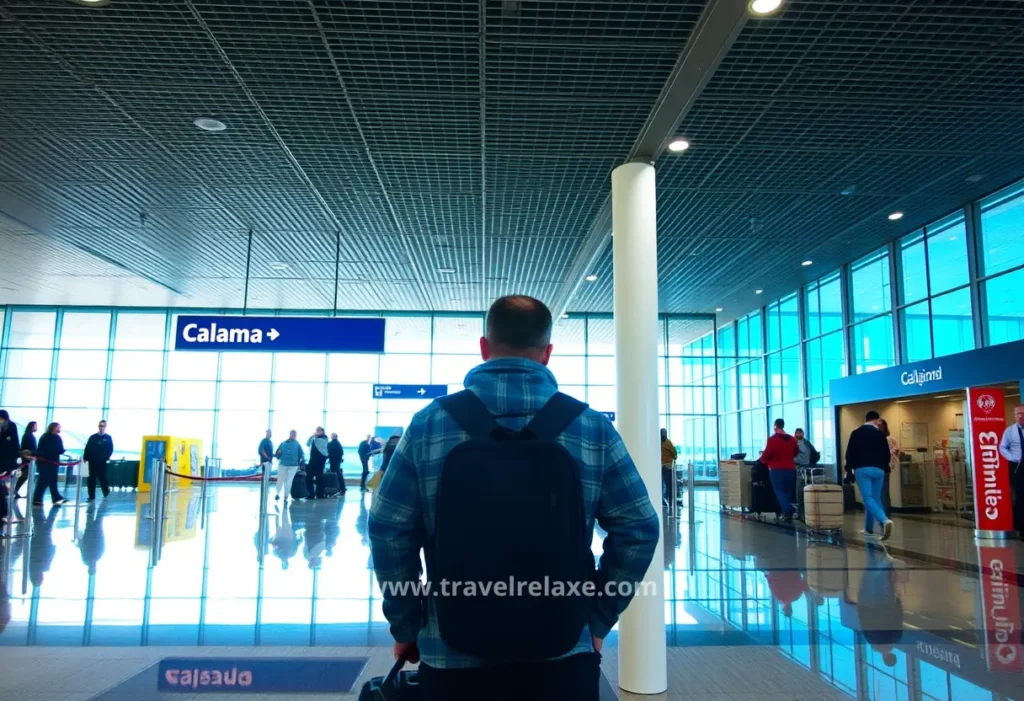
(77, 366)
(1001, 221)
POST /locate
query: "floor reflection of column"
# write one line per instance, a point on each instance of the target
(33, 614)
(312, 615)
(146, 605)
(90, 597)
(863, 692)
(261, 548)
(205, 586)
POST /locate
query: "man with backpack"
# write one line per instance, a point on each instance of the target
(501, 486)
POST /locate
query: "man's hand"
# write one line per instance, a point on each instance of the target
(407, 651)
(598, 643)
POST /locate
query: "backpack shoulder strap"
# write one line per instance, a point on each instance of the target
(470, 413)
(555, 416)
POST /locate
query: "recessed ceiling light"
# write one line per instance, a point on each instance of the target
(757, 292)
(591, 278)
(848, 190)
(718, 309)
(975, 178)
(280, 266)
(446, 271)
(895, 216)
(764, 7)
(91, 3)
(210, 124)
(807, 262)
(679, 145)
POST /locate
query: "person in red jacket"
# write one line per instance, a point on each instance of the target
(780, 457)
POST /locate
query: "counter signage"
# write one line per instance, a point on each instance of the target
(279, 334)
(993, 505)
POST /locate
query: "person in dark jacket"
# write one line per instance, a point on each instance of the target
(9, 452)
(51, 447)
(780, 457)
(266, 449)
(98, 450)
(366, 449)
(867, 456)
(335, 454)
(28, 451)
(389, 450)
(317, 445)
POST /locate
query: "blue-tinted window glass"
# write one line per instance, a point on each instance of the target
(917, 332)
(833, 358)
(914, 273)
(32, 329)
(1002, 230)
(952, 328)
(815, 368)
(775, 378)
(85, 330)
(756, 343)
(751, 377)
(139, 331)
(729, 428)
(873, 345)
(947, 254)
(789, 321)
(831, 303)
(727, 390)
(1004, 307)
(812, 311)
(869, 280)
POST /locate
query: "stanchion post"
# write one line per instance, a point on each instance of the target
(690, 486)
(674, 495)
(264, 489)
(9, 535)
(30, 488)
(78, 498)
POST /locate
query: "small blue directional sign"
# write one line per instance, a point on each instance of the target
(609, 414)
(409, 391)
(279, 334)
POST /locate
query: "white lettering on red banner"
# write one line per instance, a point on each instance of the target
(993, 505)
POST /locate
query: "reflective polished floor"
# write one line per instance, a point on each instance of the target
(753, 610)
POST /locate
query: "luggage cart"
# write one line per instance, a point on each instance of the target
(824, 520)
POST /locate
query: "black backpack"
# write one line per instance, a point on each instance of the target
(510, 510)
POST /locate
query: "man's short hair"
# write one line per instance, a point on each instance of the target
(780, 423)
(4, 415)
(872, 416)
(519, 322)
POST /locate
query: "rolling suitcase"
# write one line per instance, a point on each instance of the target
(823, 507)
(299, 490)
(331, 484)
(396, 686)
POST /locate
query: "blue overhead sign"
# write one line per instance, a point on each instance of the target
(976, 368)
(409, 391)
(279, 334)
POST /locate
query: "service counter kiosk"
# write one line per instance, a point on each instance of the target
(943, 416)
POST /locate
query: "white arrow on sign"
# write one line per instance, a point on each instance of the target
(273, 334)
(421, 391)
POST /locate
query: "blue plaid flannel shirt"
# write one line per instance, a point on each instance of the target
(402, 515)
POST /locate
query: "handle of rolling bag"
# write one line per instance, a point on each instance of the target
(396, 686)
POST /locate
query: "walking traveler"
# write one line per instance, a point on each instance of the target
(28, 452)
(289, 457)
(365, 450)
(266, 451)
(1011, 447)
(668, 464)
(389, 451)
(9, 452)
(335, 454)
(472, 482)
(318, 450)
(51, 447)
(867, 456)
(97, 453)
(780, 456)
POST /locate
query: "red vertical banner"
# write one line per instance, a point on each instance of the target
(993, 503)
(1000, 599)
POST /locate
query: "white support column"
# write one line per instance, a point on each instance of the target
(642, 653)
